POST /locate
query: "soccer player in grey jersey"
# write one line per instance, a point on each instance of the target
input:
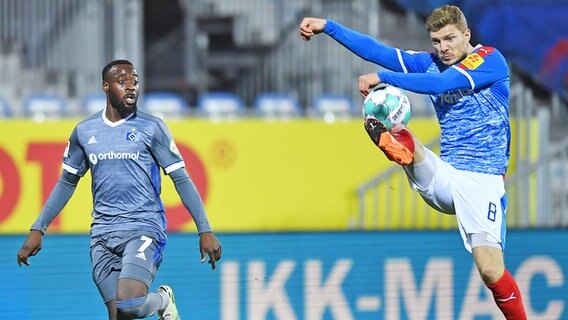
(125, 149)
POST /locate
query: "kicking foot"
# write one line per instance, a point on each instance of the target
(398, 147)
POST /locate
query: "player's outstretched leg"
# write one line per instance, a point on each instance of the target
(171, 312)
(398, 147)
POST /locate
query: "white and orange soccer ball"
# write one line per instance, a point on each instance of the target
(390, 105)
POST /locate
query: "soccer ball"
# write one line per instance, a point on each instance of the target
(390, 105)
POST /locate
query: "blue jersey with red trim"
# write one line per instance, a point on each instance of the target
(471, 98)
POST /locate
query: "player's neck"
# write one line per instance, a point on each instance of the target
(113, 115)
(469, 48)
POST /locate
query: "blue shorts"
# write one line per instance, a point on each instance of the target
(125, 254)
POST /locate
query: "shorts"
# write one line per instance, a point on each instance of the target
(125, 254)
(477, 199)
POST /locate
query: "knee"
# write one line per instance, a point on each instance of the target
(419, 152)
(132, 308)
(490, 273)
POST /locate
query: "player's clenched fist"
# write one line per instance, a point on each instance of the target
(310, 27)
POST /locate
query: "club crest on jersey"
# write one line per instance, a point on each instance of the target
(130, 136)
(174, 148)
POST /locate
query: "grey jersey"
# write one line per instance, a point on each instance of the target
(125, 158)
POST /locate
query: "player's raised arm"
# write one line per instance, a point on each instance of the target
(426, 83)
(491, 68)
(364, 46)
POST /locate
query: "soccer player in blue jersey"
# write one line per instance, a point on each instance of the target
(125, 149)
(469, 87)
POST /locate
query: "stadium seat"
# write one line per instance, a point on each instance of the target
(332, 107)
(43, 106)
(220, 105)
(165, 105)
(93, 103)
(5, 109)
(275, 105)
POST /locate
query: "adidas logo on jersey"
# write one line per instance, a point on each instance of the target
(92, 140)
(141, 255)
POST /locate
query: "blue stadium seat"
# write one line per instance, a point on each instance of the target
(5, 109)
(93, 103)
(166, 105)
(276, 105)
(220, 105)
(332, 107)
(43, 106)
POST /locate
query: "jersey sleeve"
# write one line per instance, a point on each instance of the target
(484, 66)
(165, 150)
(477, 70)
(370, 49)
(74, 160)
(426, 83)
(415, 61)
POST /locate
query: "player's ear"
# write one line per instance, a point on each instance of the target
(105, 86)
(467, 35)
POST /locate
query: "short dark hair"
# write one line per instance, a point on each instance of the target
(112, 64)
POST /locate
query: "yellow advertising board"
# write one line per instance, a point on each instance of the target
(253, 175)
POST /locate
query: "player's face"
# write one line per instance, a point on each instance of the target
(123, 88)
(451, 44)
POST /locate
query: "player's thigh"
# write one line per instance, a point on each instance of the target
(490, 262)
(488, 256)
(142, 257)
(106, 267)
(480, 203)
(432, 179)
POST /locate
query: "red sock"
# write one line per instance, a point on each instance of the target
(508, 297)
(405, 138)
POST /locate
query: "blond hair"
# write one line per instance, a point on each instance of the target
(444, 16)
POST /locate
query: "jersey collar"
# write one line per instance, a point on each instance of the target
(114, 124)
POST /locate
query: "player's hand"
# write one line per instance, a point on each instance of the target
(310, 27)
(209, 246)
(31, 247)
(368, 82)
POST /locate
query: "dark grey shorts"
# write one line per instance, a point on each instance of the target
(125, 254)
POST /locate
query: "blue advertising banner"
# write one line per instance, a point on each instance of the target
(344, 275)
